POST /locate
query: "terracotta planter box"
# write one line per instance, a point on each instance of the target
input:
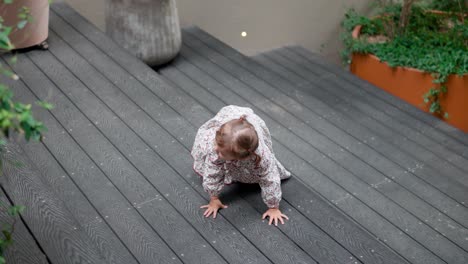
(35, 32)
(411, 84)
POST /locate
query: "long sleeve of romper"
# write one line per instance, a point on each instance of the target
(204, 157)
(213, 178)
(270, 184)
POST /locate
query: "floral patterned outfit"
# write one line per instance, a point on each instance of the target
(217, 172)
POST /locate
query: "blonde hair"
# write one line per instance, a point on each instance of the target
(240, 136)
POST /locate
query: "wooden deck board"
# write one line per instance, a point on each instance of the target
(423, 122)
(432, 217)
(67, 130)
(58, 233)
(115, 165)
(24, 248)
(439, 157)
(181, 161)
(405, 174)
(288, 157)
(250, 84)
(192, 87)
(454, 150)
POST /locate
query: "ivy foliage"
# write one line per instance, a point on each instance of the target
(434, 43)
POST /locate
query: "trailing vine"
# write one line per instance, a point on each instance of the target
(434, 43)
(15, 117)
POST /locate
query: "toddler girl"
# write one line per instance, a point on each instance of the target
(235, 146)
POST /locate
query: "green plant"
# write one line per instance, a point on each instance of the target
(427, 41)
(459, 6)
(8, 230)
(15, 116)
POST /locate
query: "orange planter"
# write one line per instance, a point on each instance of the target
(411, 84)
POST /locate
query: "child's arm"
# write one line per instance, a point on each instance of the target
(213, 183)
(213, 180)
(271, 192)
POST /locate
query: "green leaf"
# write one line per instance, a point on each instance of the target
(18, 164)
(435, 107)
(16, 210)
(22, 24)
(7, 1)
(5, 43)
(446, 115)
(7, 30)
(45, 105)
(27, 133)
(13, 59)
(6, 232)
(8, 73)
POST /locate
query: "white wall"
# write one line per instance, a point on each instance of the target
(268, 23)
(93, 10)
(271, 23)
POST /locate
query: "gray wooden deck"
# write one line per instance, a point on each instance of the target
(375, 180)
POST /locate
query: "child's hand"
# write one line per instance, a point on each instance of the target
(213, 207)
(274, 214)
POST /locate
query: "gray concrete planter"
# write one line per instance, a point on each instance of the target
(148, 29)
